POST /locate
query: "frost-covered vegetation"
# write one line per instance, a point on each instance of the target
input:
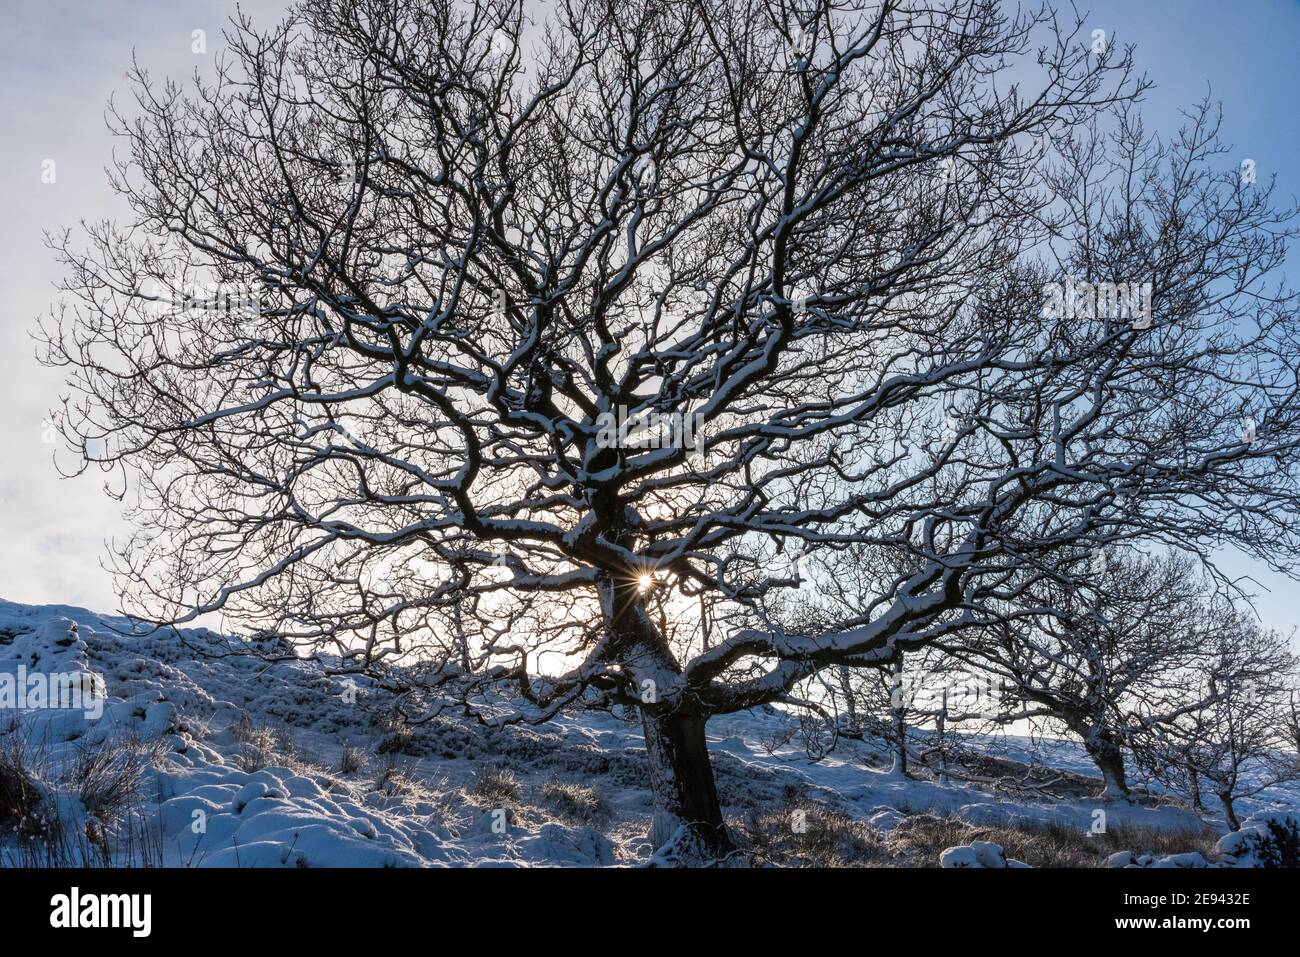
(206, 754)
(983, 379)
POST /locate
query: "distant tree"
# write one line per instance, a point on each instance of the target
(877, 703)
(896, 274)
(1102, 648)
(1232, 736)
(881, 702)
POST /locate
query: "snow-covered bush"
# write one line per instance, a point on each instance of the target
(1268, 839)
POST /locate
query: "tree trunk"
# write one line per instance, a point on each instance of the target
(1109, 758)
(846, 686)
(900, 744)
(898, 706)
(1229, 812)
(688, 827)
(940, 724)
(1194, 785)
(686, 808)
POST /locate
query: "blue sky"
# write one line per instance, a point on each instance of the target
(62, 60)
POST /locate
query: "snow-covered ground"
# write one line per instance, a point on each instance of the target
(250, 763)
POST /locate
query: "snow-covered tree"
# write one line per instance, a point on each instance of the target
(1231, 737)
(523, 348)
(911, 703)
(1103, 649)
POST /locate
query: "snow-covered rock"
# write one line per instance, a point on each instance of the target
(978, 854)
(885, 819)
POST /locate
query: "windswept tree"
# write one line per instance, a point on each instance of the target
(1104, 648)
(444, 258)
(1231, 738)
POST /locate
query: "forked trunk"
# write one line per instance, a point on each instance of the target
(687, 815)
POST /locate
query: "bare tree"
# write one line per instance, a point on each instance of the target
(1232, 735)
(902, 703)
(911, 705)
(1103, 648)
(812, 238)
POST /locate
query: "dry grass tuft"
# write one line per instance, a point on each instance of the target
(804, 833)
(496, 786)
(109, 781)
(110, 778)
(259, 745)
(22, 796)
(351, 760)
(573, 802)
(923, 837)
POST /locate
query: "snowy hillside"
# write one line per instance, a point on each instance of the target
(205, 755)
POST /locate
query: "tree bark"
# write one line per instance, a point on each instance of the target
(687, 814)
(1229, 812)
(1194, 785)
(1109, 758)
(898, 705)
(900, 744)
(940, 725)
(686, 807)
(850, 705)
